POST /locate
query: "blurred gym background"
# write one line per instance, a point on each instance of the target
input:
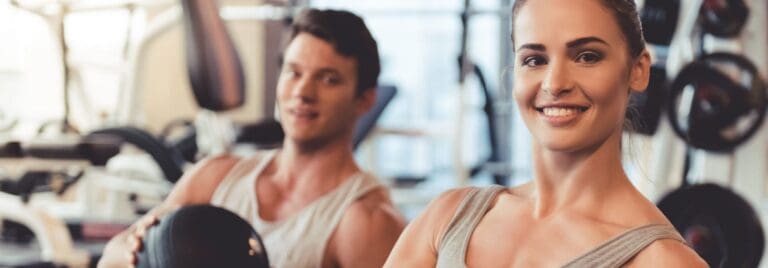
(70, 69)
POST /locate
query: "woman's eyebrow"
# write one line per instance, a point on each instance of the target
(537, 47)
(570, 44)
(585, 40)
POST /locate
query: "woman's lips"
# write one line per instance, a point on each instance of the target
(558, 116)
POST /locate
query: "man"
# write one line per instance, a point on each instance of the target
(309, 201)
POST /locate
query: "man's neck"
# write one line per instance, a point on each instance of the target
(320, 168)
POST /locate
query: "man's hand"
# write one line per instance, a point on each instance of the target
(122, 251)
(136, 238)
(195, 187)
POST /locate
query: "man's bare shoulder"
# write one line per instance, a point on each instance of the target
(374, 210)
(376, 206)
(667, 253)
(367, 231)
(371, 226)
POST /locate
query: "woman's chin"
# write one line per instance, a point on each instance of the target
(562, 145)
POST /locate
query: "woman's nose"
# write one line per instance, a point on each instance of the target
(557, 80)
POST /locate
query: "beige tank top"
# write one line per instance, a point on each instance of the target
(297, 241)
(613, 253)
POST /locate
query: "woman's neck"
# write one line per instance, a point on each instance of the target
(577, 180)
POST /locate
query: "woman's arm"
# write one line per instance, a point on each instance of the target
(418, 244)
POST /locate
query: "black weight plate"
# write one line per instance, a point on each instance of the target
(723, 18)
(723, 111)
(659, 20)
(718, 223)
(645, 107)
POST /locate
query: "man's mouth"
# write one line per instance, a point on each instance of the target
(304, 113)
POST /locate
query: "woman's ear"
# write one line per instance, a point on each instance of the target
(641, 72)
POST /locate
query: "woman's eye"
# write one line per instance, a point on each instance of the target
(533, 61)
(589, 57)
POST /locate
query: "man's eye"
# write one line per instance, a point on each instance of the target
(331, 79)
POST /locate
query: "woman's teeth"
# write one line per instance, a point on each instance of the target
(558, 111)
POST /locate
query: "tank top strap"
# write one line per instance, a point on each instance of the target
(332, 207)
(235, 190)
(622, 248)
(453, 245)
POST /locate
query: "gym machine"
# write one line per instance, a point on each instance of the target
(45, 227)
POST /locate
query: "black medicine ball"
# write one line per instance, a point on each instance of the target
(202, 236)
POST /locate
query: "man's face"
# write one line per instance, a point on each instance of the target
(316, 92)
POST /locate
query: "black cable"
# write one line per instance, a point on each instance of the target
(686, 168)
(463, 57)
(488, 109)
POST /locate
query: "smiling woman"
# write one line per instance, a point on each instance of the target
(576, 62)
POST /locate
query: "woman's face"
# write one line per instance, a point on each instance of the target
(573, 73)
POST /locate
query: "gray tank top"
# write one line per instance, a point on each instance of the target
(613, 253)
(298, 241)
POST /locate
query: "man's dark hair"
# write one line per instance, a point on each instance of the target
(348, 35)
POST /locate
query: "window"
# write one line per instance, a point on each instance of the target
(31, 67)
(419, 43)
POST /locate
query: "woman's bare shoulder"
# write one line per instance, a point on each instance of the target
(667, 253)
(417, 245)
(436, 217)
(442, 208)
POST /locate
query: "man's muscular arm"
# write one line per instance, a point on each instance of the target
(367, 232)
(195, 187)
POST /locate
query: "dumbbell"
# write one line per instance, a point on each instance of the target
(202, 236)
